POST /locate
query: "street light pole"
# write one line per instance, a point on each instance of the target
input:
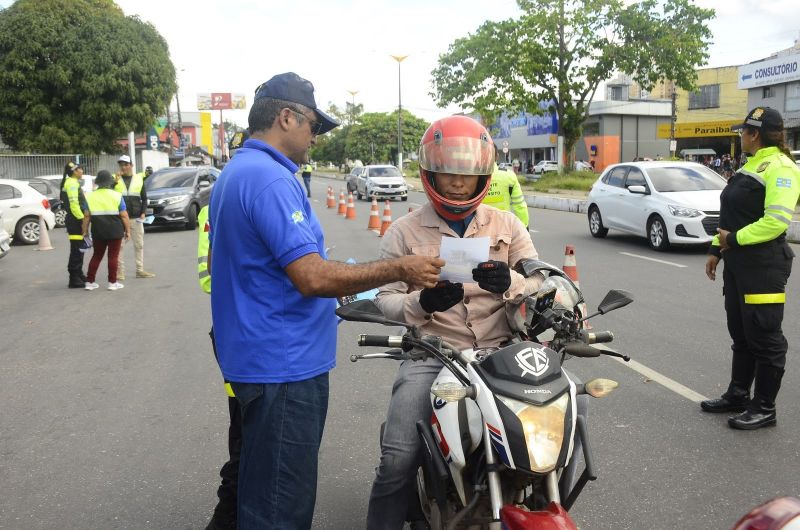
(399, 59)
(352, 105)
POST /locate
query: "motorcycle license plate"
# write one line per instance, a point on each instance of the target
(4, 246)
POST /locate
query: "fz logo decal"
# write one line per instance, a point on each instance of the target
(534, 362)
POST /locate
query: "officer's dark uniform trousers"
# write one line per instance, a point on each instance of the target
(754, 323)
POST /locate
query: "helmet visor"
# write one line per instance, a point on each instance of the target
(459, 155)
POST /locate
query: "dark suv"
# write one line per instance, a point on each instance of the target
(176, 194)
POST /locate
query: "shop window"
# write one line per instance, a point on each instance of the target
(706, 97)
(793, 96)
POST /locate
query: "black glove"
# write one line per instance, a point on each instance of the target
(492, 276)
(442, 297)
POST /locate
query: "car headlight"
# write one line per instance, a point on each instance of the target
(543, 428)
(174, 200)
(683, 211)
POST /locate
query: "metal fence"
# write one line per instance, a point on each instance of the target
(24, 167)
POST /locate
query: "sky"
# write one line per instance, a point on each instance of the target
(346, 45)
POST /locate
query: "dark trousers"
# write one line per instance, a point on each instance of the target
(755, 328)
(99, 246)
(307, 182)
(75, 263)
(282, 427)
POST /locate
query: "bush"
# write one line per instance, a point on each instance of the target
(572, 180)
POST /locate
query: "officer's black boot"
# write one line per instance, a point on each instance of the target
(738, 394)
(761, 410)
(76, 282)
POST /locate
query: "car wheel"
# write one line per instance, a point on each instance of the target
(191, 218)
(596, 223)
(27, 231)
(358, 195)
(61, 218)
(657, 233)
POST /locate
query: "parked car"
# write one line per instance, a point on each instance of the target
(352, 179)
(50, 190)
(543, 166)
(381, 182)
(22, 206)
(5, 238)
(505, 166)
(176, 194)
(580, 165)
(666, 202)
(87, 182)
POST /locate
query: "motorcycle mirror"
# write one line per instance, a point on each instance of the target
(615, 299)
(365, 311)
(600, 387)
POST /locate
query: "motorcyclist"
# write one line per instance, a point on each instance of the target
(456, 158)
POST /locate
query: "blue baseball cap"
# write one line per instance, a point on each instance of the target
(291, 87)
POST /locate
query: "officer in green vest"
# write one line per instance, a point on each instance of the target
(75, 203)
(756, 209)
(132, 189)
(225, 512)
(307, 177)
(108, 218)
(505, 193)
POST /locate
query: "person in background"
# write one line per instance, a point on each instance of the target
(132, 189)
(756, 209)
(273, 303)
(224, 517)
(109, 224)
(505, 194)
(456, 165)
(75, 204)
(307, 177)
(148, 171)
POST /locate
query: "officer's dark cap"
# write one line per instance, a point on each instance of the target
(292, 87)
(762, 118)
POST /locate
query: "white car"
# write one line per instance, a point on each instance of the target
(380, 182)
(5, 239)
(666, 202)
(543, 166)
(580, 165)
(87, 181)
(22, 206)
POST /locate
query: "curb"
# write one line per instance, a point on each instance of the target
(565, 204)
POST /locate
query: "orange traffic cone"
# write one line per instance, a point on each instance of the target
(374, 218)
(331, 200)
(386, 220)
(571, 269)
(350, 213)
(44, 237)
(342, 206)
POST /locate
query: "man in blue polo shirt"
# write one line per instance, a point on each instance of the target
(273, 303)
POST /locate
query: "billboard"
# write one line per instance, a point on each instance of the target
(535, 124)
(221, 101)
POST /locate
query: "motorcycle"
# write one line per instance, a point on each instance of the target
(501, 448)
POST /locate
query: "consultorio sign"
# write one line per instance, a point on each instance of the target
(772, 72)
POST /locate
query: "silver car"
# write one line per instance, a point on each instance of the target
(5, 238)
(380, 182)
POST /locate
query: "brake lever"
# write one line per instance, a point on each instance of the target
(395, 356)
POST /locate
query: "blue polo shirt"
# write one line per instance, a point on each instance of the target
(261, 221)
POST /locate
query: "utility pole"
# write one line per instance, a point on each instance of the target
(399, 59)
(674, 118)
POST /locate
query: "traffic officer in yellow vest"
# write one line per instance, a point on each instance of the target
(109, 222)
(505, 193)
(306, 173)
(75, 204)
(225, 512)
(756, 208)
(132, 189)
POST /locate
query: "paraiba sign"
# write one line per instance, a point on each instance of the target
(771, 72)
(703, 129)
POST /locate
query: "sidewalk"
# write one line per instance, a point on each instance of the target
(575, 201)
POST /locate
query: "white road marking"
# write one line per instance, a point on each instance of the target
(654, 259)
(661, 379)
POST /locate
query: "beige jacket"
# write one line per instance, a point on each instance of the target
(479, 321)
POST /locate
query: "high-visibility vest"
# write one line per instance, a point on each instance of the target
(203, 275)
(137, 182)
(104, 206)
(74, 202)
(505, 193)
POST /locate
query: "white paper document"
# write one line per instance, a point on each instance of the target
(461, 255)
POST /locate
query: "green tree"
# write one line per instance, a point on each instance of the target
(76, 75)
(561, 50)
(374, 138)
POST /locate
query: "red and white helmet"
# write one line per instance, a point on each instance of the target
(461, 146)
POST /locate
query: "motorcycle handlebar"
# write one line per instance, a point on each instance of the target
(596, 337)
(382, 341)
(579, 349)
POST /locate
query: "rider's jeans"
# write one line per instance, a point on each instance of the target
(281, 432)
(410, 402)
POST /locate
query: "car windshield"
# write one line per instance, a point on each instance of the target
(383, 172)
(676, 178)
(170, 178)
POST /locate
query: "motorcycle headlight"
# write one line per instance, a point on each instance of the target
(174, 200)
(682, 211)
(543, 428)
